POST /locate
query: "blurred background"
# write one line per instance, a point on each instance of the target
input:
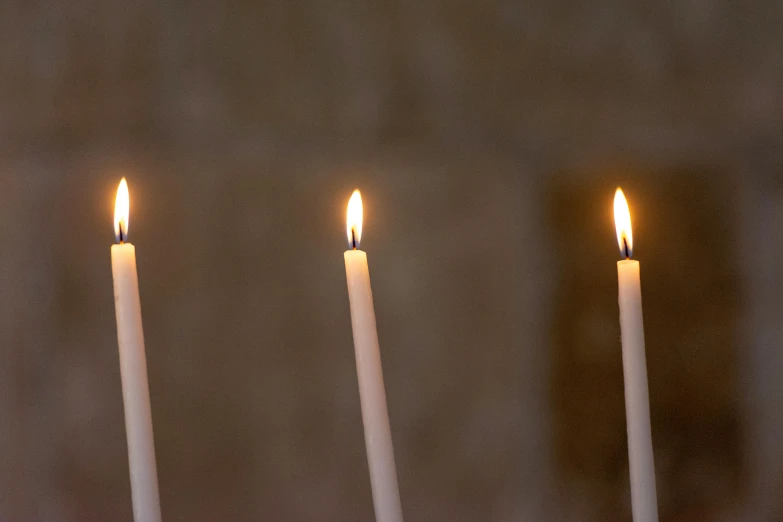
(487, 138)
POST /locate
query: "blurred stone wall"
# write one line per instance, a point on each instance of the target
(487, 139)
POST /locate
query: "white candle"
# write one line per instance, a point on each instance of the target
(377, 432)
(133, 368)
(644, 501)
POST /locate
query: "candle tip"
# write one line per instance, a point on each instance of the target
(121, 212)
(354, 218)
(622, 223)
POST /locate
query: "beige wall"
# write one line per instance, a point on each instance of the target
(487, 138)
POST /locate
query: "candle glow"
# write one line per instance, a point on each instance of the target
(622, 222)
(133, 368)
(641, 462)
(121, 212)
(354, 219)
(372, 393)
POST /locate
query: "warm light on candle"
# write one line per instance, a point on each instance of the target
(372, 394)
(122, 212)
(354, 219)
(133, 368)
(641, 462)
(622, 222)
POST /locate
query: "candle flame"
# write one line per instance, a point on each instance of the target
(121, 212)
(354, 219)
(622, 222)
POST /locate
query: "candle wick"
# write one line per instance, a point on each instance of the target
(626, 250)
(353, 237)
(122, 234)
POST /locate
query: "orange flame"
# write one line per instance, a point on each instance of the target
(622, 222)
(121, 212)
(354, 218)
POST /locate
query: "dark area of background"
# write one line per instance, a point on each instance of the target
(487, 138)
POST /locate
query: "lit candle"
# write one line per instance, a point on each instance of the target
(133, 368)
(377, 432)
(637, 403)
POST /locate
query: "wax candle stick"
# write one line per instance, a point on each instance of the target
(644, 501)
(133, 368)
(377, 432)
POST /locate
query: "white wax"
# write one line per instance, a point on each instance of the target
(377, 432)
(135, 389)
(637, 404)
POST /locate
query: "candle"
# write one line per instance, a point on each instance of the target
(637, 404)
(133, 368)
(377, 432)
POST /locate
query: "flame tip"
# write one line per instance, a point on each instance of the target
(354, 218)
(622, 222)
(121, 211)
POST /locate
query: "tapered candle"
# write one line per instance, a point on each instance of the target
(644, 503)
(133, 368)
(377, 432)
